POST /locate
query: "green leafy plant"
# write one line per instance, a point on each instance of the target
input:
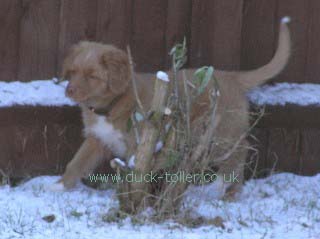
(202, 76)
(179, 54)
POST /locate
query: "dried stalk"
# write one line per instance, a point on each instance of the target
(135, 129)
(236, 145)
(139, 191)
(187, 97)
(134, 84)
(205, 142)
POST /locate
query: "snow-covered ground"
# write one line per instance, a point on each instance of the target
(47, 93)
(280, 206)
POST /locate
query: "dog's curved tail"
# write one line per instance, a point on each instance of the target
(258, 76)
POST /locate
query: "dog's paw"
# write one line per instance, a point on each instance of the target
(57, 187)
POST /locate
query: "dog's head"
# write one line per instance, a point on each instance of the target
(95, 71)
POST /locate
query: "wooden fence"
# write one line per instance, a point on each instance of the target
(232, 34)
(228, 34)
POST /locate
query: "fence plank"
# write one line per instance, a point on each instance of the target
(41, 140)
(284, 150)
(78, 19)
(309, 162)
(257, 157)
(200, 36)
(10, 15)
(114, 22)
(226, 19)
(178, 25)
(216, 33)
(148, 34)
(313, 47)
(298, 11)
(258, 33)
(38, 40)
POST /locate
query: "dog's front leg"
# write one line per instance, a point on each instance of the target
(84, 162)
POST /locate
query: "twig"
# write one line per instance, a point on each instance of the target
(237, 143)
(206, 138)
(187, 96)
(144, 153)
(134, 84)
(135, 129)
(175, 74)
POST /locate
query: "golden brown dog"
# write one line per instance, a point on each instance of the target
(100, 81)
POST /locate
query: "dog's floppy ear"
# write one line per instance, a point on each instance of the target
(116, 64)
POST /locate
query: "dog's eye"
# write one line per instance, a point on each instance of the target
(69, 74)
(92, 78)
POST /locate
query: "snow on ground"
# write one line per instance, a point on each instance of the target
(286, 93)
(47, 93)
(280, 206)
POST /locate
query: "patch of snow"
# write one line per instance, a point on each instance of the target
(41, 92)
(286, 93)
(280, 206)
(167, 127)
(119, 162)
(56, 187)
(215, 190)
(47, 93)
(286, 19)
(158, 147)
(131, 163)
(167, 111)
(162, 76)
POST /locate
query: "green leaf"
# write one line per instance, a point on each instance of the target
(202, 76)
(179, 54)
(172, 157)
(129, 124)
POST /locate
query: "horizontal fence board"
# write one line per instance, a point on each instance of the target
(283, 150)
(289, 116)
(38, 140)
(257, 158)
(310, 155)
(41, 140)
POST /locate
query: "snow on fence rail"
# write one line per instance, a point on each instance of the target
(41, 92)
(48, 93)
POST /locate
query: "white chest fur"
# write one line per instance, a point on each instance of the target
(109, 136)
